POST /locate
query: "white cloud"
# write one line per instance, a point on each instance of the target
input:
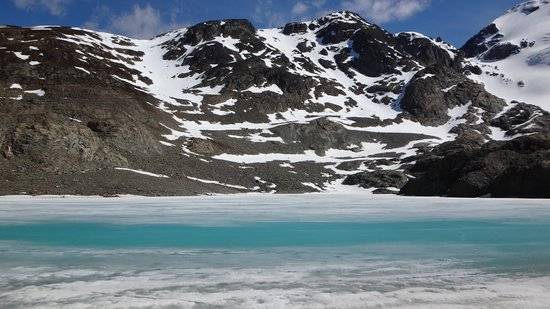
(55, 7)
(379, 11)
(141, 22)
(272, 14)
(299, 8)
(267, 13)
(386, 10)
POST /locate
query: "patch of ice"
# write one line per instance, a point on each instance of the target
(167, 144)
(458, 112)
(312, 185)
(448, 89)
(141, 172)
(21, 56)
(271, 88)
(426, 76)
(218, 183)
(38, 92)
(83, 70)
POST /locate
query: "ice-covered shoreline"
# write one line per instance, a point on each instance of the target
(251, 207)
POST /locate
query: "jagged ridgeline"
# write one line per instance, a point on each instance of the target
(222, 107)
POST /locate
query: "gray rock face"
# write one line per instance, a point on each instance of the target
(435, 90)
(319, 135)
(377, 179)
(56, 145)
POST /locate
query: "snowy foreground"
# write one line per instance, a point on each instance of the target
(274, 251)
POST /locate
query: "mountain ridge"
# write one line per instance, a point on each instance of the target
(223, 107)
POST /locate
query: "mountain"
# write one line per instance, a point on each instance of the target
(223, 107)
(514, 52)
(510, 58)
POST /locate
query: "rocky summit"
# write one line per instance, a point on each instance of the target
(330, 104)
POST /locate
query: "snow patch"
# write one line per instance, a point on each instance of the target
(218, 183)
(141, 172)
(21, 56)
(271, 88)
(38, 92)
(83, 70)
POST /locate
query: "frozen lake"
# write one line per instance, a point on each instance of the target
(274, 251)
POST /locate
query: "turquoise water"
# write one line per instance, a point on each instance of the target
(314, 251)
(280, 234)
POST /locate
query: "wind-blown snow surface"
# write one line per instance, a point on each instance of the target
(256, 251)
(524, 76)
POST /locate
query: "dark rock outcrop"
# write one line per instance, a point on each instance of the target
(482, 41)
(435, 90)
(377, 179)
(319, 135)
(516, 168)
(425, 50)
(523, 119)
(501, 51)
(292, 28)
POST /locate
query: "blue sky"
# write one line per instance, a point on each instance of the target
(453, 20)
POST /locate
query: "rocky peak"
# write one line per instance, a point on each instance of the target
(235, 28)
(342, 17)
(238, 29)
(338, 27)
(335, 22)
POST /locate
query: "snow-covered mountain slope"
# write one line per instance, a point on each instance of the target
(225, 107)
(514, 53)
